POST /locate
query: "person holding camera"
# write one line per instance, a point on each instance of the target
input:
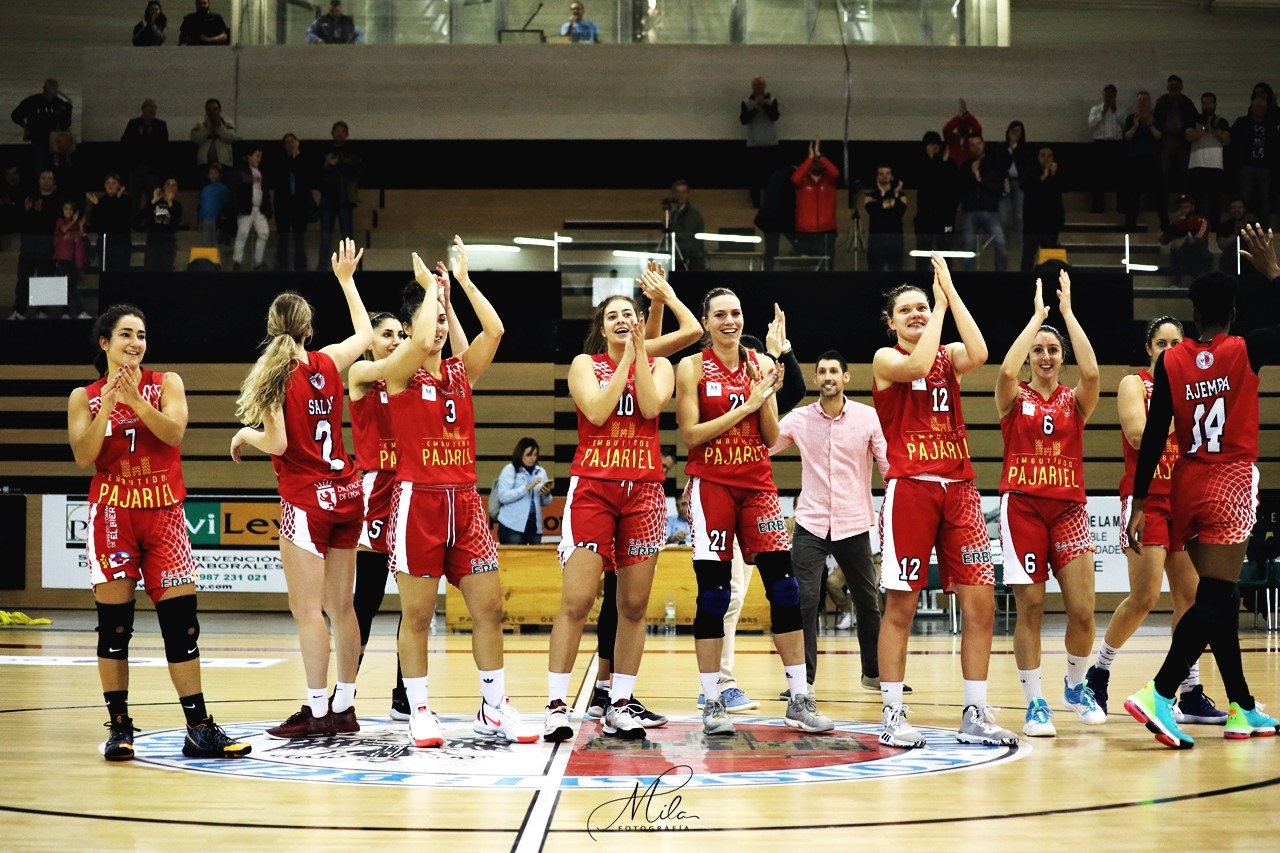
(683, 221)
(524, 488)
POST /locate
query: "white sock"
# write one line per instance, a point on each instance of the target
(1106, 656)
(710, 685)
(623, 685)
(602, 685)
(318, 699)
(1076, 668)
(975, 693)
(1192, 679)
(796, 680)
(415, 691)
(557, 686)
(890, 693)
(493, 686)
(344, 697)
(1031, 688)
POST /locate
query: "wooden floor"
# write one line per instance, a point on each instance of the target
(1109, 787)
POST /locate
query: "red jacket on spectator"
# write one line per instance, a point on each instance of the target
(956, 132)
(816, 200)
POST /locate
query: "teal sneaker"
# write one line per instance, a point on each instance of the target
(1242, 724)
(1156, 712)
(1081, 700)
(1038, 723)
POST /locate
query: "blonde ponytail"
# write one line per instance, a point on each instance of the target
(263, 390)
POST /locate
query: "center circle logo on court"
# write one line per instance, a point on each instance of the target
(763, 751)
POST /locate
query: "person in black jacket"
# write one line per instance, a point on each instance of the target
(936, 199)
(886, 205)
(109, 216)
(162, 219)
(149, 32)
(253, 209)
(40, 115)
(1042, 211)
(293, 203)
(145, 148)
(981, 185)
(777, 214)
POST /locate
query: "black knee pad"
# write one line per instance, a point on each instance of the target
(371, 586)
(782, 589)
(714, 593)
(607, 622)
(115, 627)
(179, 628)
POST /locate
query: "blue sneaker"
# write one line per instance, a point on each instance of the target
(735, 701)
(1242, 724)
(1199, 708)
(1038, 723)
(702, 701)
(1098, 679)
(1156, 712)
(1081, 700)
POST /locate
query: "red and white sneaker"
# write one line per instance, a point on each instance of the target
(504, 722)
(424, 731)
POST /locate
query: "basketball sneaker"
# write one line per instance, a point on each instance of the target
(715, 720)
(1242, 724)
(119, 743)
(978, 725)
(1038, 723)
(620, 722)
(424, 729)
(1156, 712)
(599, 704)
(206, 739)
(344, 722)
(896, 731)
(802, 714)
(400, 710)
(1081, 700)
(736, 701)
(504, 722)
(1098, 679)
(303, 724)
(557, 726)
(1199, 708)
(647, 718)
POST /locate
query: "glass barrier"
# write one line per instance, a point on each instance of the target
(765, 22)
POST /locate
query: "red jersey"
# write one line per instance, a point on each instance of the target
(1215, 399)
(315, 453)
(1163, 478)
(923, 424)
(737, 456)
(1044, 445)
(134, 468)
(434, 423)
(371, 429)
(625, 446)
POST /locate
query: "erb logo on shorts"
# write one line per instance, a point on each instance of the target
(971, 556)
(771, 525)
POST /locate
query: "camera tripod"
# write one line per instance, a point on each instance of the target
(856, 243)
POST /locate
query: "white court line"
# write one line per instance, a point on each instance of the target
(533, 834)
(90, 660)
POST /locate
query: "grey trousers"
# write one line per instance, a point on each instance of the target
(808, 561)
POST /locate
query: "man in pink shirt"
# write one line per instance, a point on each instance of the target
(838, 441)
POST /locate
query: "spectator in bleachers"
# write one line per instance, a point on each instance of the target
(757, 114)
(678, 524)
(293, 204)
(685, 221)
(212, 207)
(815, 181)
(1209, 137)
(149, 32)
(1043, 214)
(253, 209)
(1142, 140)
(577, 28)
(1255, 144)
(886, 204)
(957, 131)
(109, 214)
(39, 116)
(1107, 128)
(69, 256)
(777, 214)
(35, 257)
(1174, 113)
(213, 137)
(936, 199)
(162, 219)
(1017, 159)
(1238, 216)
(335, 28)
(203, 28)
(339, 190)
(1187, 237)
(11, 198)
(65, 164)
(981, 184)
(145, 150)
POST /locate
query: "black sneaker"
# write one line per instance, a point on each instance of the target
(647, 718)
(399, 704)
(119, 745)
(1097, 679)
(599, 703)
(206, 739)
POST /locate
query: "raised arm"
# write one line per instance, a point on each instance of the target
(344, 261)
(653, 282)
(970, 352)
(477, 357)
(890, 366)
(778, 348)
(653, 387)
(402, 364)
(458, 342)
(1007, 380)
(1090, 384)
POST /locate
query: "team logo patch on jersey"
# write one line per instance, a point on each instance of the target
(919, 384)
(714, 389)
(326, 496)
(429, 393)
(317, 381)
(1204, 360)
(1028, 408)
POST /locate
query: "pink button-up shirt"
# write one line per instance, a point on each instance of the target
(836, 456)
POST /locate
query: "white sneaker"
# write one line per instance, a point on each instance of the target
(504, 722)
(424, 731)
(897, 731)
(557, 726)
(1038, 722)
(845, 622)
(1081, 700)
(619, 721)
(978, 725)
